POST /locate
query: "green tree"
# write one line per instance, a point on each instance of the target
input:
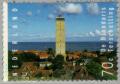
(85, 50)
(94, 69)
(58, 62)
(97, 59)
(98, 53)
(58, 73)
(38, 75)
(10, 60)
(13, 62)
(36, 64)
(112, 54)
(81, 60)
(50, 58)
(109, 77)
(51, 52)
(28, 57)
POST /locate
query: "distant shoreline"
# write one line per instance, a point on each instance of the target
(70, 46)
(66, 41)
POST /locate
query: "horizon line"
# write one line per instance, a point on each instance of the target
(66, 41)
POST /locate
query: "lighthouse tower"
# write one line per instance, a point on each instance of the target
(60, 36)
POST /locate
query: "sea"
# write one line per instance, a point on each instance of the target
(70, 46)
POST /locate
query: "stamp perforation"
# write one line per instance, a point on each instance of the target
(118, 51)
(1, 58)
(5, 37)
(52, 1)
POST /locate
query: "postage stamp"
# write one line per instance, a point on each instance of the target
(60, 40)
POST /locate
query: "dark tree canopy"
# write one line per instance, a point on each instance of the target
(58, 62)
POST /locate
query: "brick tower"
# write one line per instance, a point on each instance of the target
(60, 36)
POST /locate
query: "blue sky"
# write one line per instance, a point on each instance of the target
(36, 22)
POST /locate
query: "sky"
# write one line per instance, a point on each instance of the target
(36, 21)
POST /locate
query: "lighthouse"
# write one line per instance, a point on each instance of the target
(60, 36)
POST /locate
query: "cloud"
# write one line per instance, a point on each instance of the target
(51, 16)
(29, 13)
(97, 32)
(101, 32)
(93, 8)
(91, 34)
(71, 8)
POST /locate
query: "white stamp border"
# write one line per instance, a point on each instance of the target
(1, 39)
(5, 42)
